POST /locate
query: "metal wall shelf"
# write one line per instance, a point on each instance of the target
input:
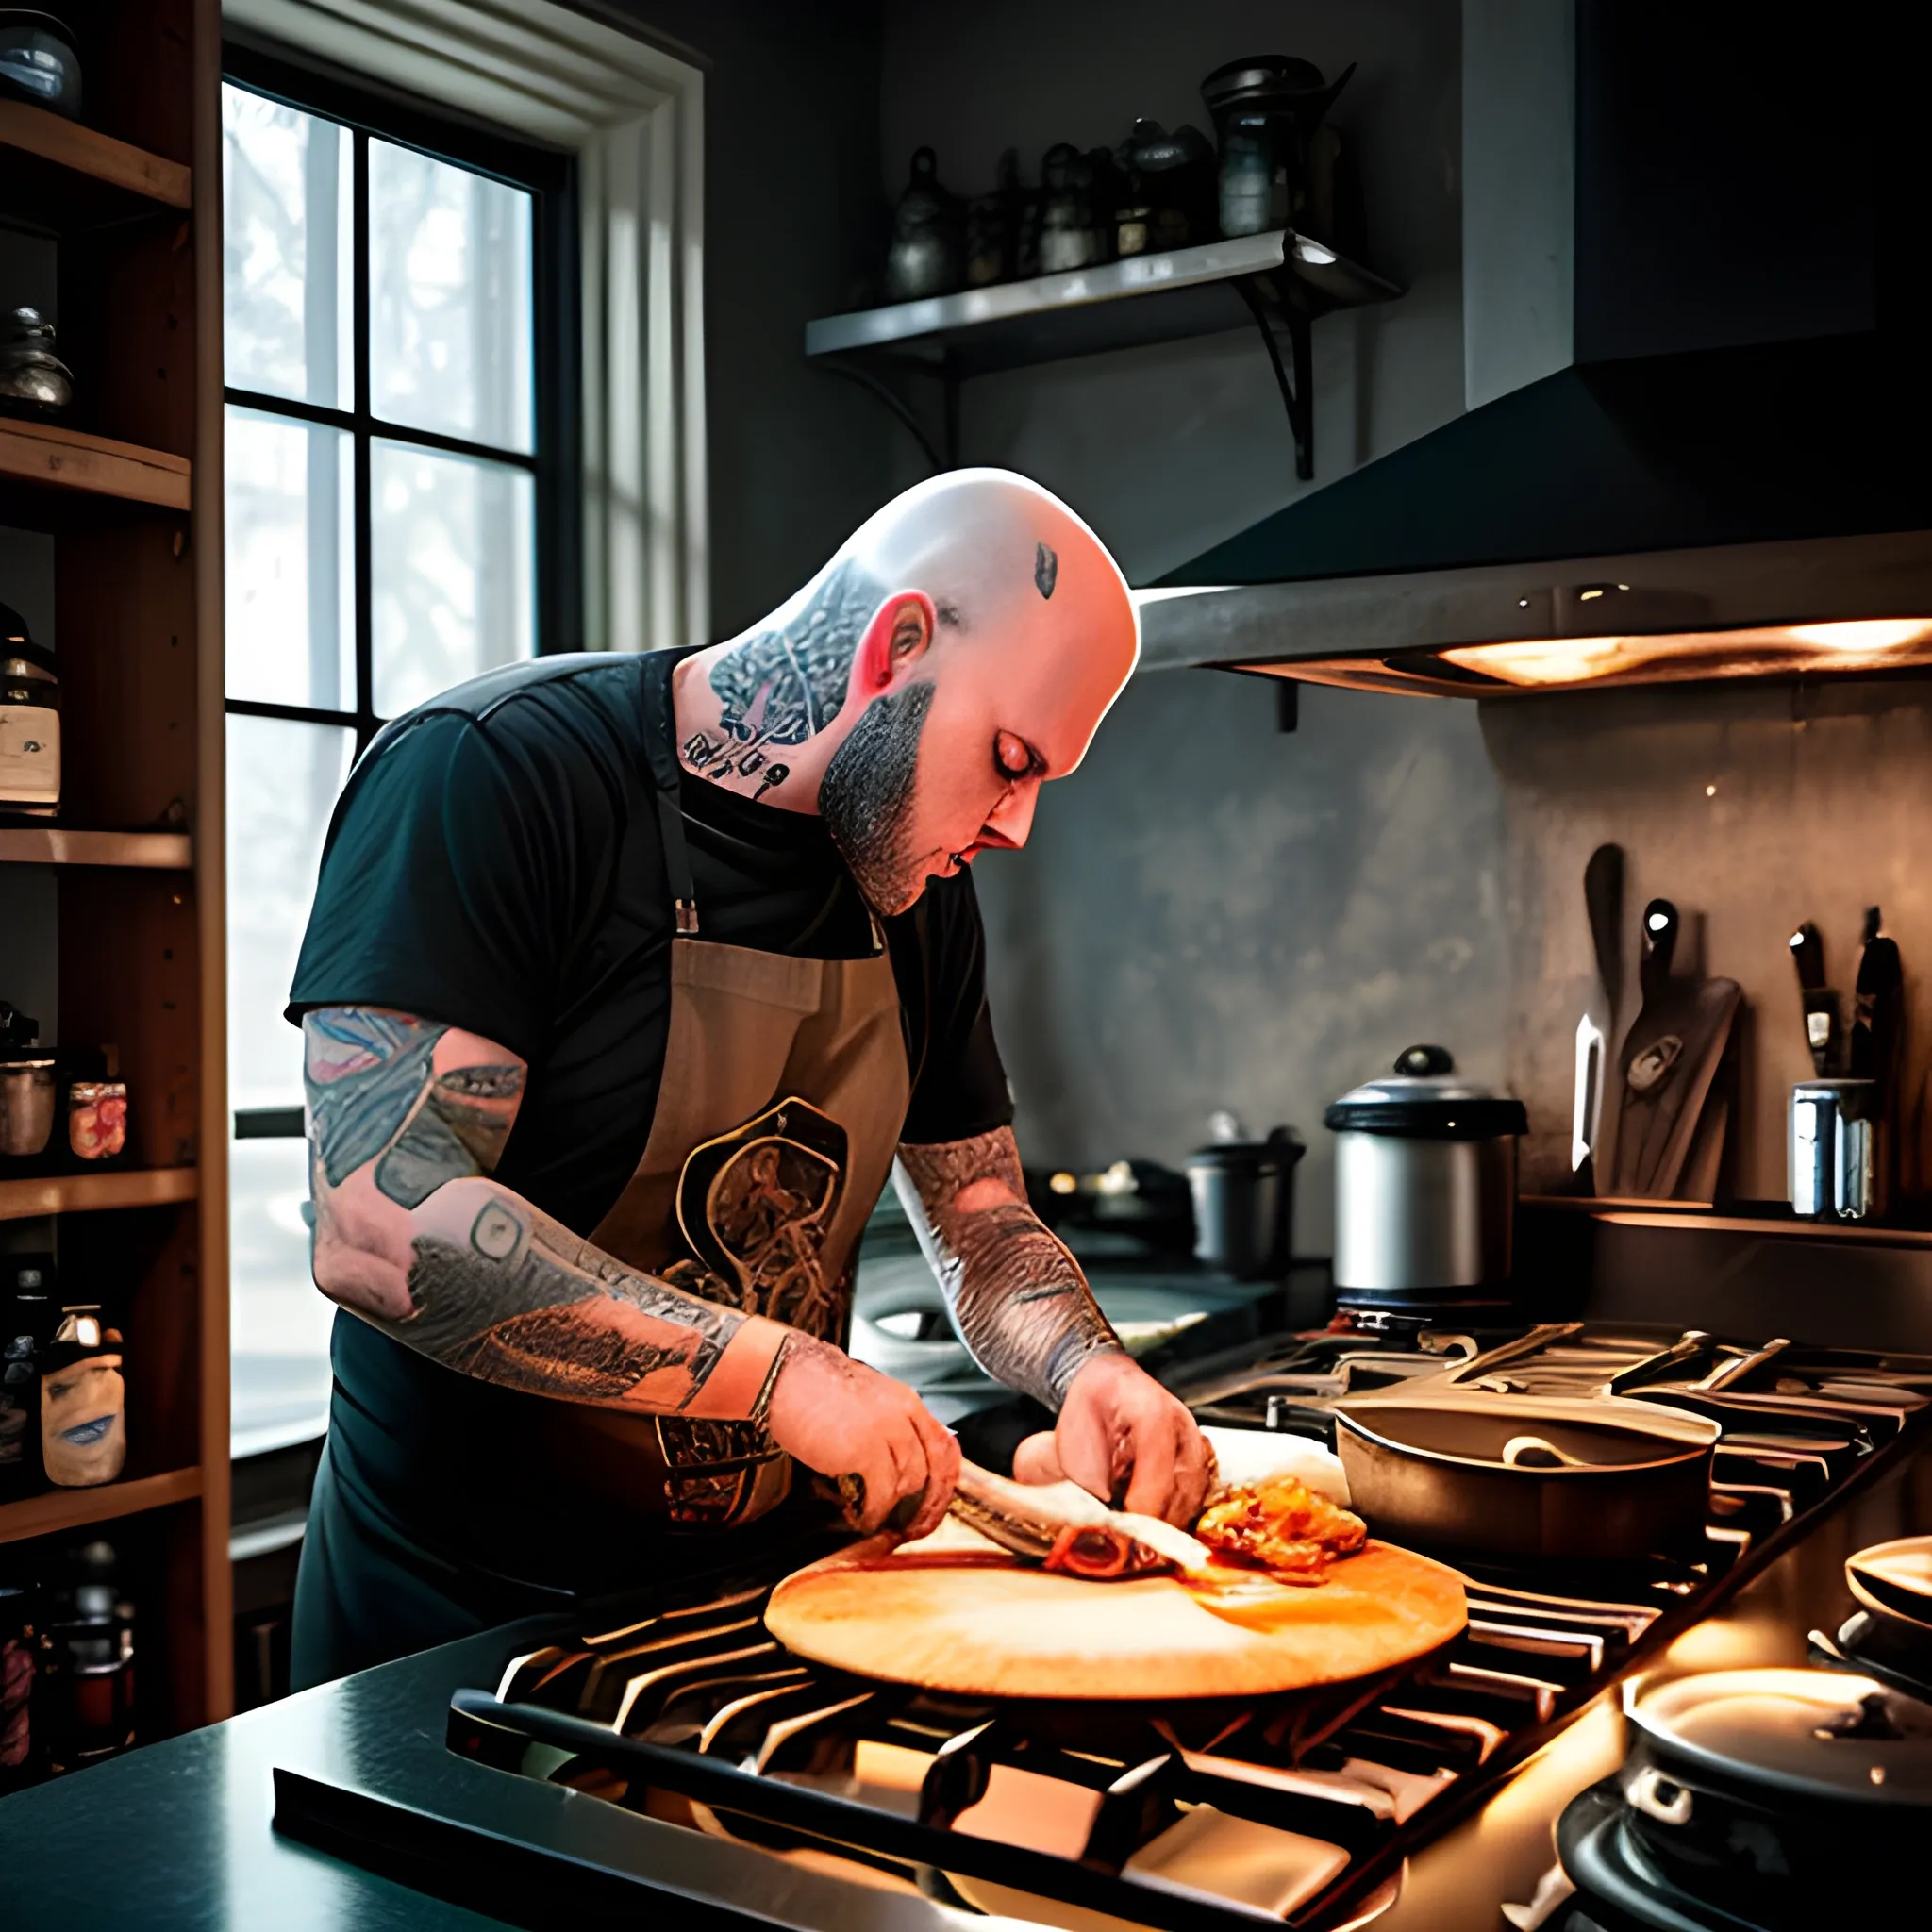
(1278, 281)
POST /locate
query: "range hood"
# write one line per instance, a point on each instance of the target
(1719, 466)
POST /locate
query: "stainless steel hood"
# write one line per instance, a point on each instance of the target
(1724, 470)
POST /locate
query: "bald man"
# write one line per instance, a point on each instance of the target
(626, 980)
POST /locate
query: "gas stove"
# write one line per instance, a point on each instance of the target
(1303, 1808)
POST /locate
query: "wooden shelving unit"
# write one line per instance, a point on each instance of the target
(86, 1194)
(63, 459)
(60, 1510)
(127, 490)
(56, 844)
(72, 173)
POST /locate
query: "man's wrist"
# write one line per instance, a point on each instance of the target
(739, 1388)
(1073, 1352)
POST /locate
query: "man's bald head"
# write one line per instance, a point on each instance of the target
(961, 647)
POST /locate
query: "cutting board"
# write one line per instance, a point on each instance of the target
(952, 1613)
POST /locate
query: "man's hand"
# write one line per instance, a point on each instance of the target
(1120, 1431)
(840, 1418)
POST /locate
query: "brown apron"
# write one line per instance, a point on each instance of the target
(779, 1109)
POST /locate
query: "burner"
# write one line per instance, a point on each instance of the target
(1302, 1806)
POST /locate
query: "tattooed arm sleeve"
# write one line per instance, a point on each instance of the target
(406, 1120)
(1021, 1302)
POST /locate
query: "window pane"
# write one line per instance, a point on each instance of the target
(449, 326)
(291, 562)
(278, 1319)
(287, 278)
(452, 555)
(283, 778)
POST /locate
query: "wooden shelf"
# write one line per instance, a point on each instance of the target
(82, 1193)
(56, 457)
(59, 171)
(1691, 1216)
(72, 846)
(62, 1510)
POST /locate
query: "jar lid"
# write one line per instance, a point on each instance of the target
(1425, 1100)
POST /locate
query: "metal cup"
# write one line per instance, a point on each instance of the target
(1837, 1150)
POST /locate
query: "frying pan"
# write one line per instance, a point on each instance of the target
(1604, 1479)
(1894, 1579)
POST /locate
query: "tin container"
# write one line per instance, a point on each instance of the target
(1837, 1150)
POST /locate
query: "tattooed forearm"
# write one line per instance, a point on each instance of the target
(1019, 1297)
(406, 1120)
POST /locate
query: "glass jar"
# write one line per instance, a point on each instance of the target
(97, 1120)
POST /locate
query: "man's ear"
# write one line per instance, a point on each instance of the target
(895, 640)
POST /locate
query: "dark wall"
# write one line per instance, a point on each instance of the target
(792, 224)
(1212, 913)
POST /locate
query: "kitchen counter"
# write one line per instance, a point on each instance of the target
(178, 1835)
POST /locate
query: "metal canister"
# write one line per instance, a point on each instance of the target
(1836, 1163)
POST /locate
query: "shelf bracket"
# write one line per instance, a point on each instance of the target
(1277, 318)
(943, 454)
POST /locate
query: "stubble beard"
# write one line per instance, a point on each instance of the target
(866, 798)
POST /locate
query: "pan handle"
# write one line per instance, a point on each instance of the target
(1538, 1338)
(1533, 1452)
(1691, 1346)
(1656, 1796)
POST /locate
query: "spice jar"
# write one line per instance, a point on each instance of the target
(26, 1311)
(87, 1664)
(83, 1401)
(97, 1119)
(19, 1645)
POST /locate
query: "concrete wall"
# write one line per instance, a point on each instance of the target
(1210, 912)
(1755, 808)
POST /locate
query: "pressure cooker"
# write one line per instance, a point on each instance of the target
(1424, 1185)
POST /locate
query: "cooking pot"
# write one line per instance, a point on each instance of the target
(1425, 1183)
(1603, 1478)
(1243, 1196)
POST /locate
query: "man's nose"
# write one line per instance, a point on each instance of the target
(1011, 819)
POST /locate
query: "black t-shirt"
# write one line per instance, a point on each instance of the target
(495, 863)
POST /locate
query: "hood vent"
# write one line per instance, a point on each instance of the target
(1682, 498)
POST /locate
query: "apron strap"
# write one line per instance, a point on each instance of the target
(660, 738)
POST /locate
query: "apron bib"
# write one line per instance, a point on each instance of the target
(779, 1107)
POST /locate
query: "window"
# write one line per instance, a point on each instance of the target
(400, 322)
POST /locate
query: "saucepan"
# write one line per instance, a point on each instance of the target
(1603, 1479)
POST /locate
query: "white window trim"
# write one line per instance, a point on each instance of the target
(634, 117)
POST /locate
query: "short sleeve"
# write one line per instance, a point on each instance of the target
(959, 1083)
(451, 881)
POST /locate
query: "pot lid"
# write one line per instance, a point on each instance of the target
(1810, 1735)
(1424, 1099)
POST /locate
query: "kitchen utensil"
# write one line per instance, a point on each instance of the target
(1243, 1196)
(1626, 1480)
(954, 1613)
(1838, 1150)
(1266, 108)
(1593, 1123)
(1819, 1003)
(1425, 1183)
(1877, 1009)
(1669, 1062)
(30, 721)
(1769, 1791)
(38, 60)
(1894, 1579)
(33, 380)
(928, 254)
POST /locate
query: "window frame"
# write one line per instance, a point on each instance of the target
(555, 462)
